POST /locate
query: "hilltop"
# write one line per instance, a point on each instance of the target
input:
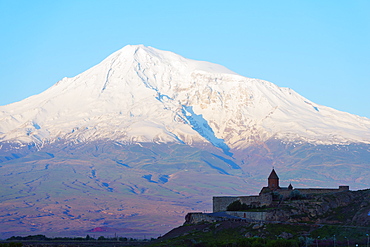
(342, 217)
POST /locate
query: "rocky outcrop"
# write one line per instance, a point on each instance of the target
(347, 208)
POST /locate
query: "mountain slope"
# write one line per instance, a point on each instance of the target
(140, 94)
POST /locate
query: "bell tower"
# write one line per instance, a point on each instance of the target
(273, 181)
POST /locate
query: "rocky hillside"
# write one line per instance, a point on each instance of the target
(340, 219)
(344, 208)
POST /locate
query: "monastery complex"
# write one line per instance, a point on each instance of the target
(270, 194)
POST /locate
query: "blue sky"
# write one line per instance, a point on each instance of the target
(321, 49)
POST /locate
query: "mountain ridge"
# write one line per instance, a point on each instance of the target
(181, 96)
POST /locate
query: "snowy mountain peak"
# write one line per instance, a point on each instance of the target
(142, 54)
(141, 94)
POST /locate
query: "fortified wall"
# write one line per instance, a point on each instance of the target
(310, 191)
(220, 203)
(268, 194)
(199, 217)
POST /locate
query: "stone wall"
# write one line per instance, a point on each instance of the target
(254, 216)
(220, 203)
(261, 200)
(198, 217)
(317, 191)
(311, 191)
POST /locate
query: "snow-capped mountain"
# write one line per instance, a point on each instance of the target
(134, 143)
(141, 94)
